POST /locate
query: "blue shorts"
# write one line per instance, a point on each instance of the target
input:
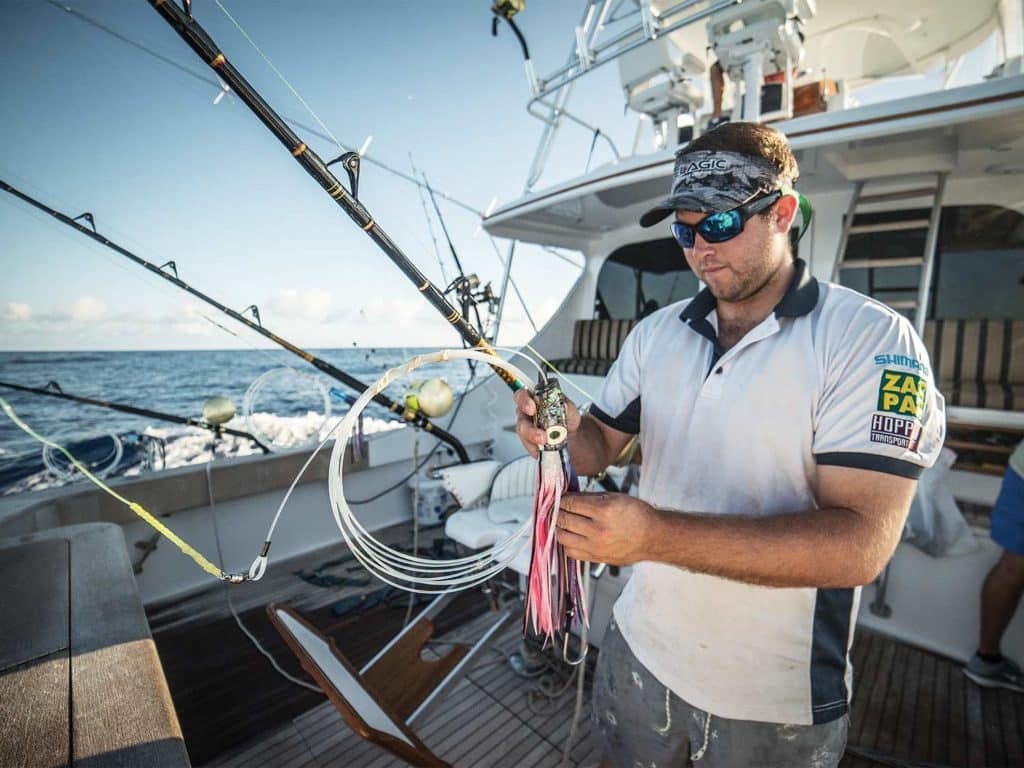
(1008, 514)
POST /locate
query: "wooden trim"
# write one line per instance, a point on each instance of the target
(419, 755)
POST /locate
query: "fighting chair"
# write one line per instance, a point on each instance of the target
(508, 491)
(388, 697)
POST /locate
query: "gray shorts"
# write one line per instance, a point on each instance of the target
(639, 723)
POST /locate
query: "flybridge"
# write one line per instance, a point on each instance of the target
(785, 58)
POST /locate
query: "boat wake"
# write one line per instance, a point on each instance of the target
(158, 448)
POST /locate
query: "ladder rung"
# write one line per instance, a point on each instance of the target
(889, 226)
(906, 261)
(901, 303)
(906, 194)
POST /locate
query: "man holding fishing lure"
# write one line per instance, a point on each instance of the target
(783, 424)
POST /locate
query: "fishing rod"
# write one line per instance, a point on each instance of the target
(200, 41)
(336, 373)
(53, 389)
(463, 286)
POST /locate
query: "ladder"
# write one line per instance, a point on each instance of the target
(918, 305)
(926, 261)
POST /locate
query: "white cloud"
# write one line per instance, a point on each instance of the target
(86, 309)
(17, 312)
(310, 304)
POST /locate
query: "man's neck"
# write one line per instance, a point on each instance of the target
(735, 319)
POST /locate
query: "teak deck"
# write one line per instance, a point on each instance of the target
(910, 708)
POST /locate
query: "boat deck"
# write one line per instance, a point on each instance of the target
(910, 708)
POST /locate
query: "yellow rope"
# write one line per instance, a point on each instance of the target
(138, 509)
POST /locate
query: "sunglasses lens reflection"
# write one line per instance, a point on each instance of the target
(719, 227)
(683, 234)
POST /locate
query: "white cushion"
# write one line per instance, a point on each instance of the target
(474, 529)
(469, 483)
(517, 478)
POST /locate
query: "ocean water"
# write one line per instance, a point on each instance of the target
(287, 411)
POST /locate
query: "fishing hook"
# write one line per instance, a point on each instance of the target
(585, 648)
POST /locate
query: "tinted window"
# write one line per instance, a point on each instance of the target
(640, 278)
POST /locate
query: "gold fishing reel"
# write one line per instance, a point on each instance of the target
(433, 397)
(506, 9)
(218, 410)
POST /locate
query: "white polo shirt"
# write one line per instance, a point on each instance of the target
(830, 378)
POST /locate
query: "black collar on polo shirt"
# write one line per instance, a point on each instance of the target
(800, 298)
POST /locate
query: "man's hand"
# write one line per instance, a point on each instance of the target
(529, 435)
(608, 528)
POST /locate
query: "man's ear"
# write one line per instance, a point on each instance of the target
(785, 212)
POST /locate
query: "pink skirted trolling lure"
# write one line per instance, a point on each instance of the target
(554, 597)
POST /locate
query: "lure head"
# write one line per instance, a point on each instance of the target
(551, 414)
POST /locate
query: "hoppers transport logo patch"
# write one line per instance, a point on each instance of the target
(893, 430)
(902, 393)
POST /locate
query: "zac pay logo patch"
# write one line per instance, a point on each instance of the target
(902, 393)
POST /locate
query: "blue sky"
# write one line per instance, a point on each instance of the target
(91, 123)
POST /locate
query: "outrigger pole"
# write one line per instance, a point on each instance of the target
(199, 41)
(336, 373)
(53, 390)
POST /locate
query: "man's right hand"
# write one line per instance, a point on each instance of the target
(529, 434)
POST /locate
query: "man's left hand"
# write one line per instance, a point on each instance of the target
(608, 528)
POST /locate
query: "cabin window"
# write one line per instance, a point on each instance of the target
(640, 278)
(979, 262)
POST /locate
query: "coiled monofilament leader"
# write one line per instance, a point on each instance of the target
(411, 573)
(290, 437)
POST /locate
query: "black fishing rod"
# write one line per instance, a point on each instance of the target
(336, 373)
(53, 390)
(200, 41)
(463, 285)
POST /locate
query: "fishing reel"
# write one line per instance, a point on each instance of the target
(433, 398)
(469, 294)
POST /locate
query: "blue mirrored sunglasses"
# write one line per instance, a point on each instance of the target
(719, 227)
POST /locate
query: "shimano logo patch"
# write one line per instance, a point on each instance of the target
(903, 361)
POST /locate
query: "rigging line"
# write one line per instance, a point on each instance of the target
(444, 229)
(266, 352)
(281, 77)
(415, 417)
(128, 41)
(437, 444)
(197, 38)
(227, 591)
(217, 84)
(304, 103)
(430, 225)
(562, 256)
(143, 279)
(148, 413)
(135, 507)
(564, 377)
(512, 282)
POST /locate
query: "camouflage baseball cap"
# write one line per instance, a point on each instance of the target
(710, 181)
